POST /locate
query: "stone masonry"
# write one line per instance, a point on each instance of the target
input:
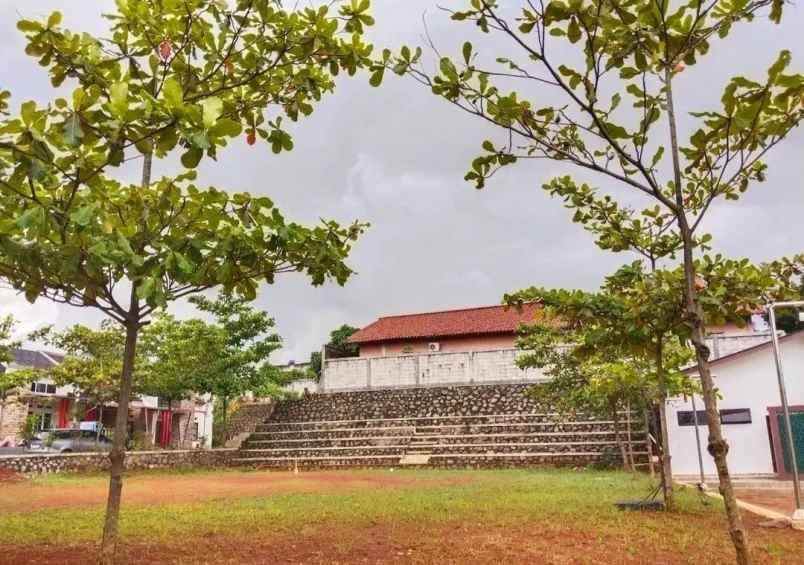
(135, 460)
(478, 400)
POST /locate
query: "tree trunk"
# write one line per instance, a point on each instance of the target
(618, 438)
(225, 419)
(118, 453)
(664, 453)
(646, 423)
(628, 440)
(718, 447)
(190, 416)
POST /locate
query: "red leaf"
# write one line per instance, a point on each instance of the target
(251, 138)
(165, 50)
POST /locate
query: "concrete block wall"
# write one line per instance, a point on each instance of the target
(425, 369)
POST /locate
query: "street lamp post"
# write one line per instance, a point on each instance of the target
(798, 515)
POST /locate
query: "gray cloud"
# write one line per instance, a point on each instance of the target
(395, 157)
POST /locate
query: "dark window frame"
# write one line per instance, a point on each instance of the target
(685, 418)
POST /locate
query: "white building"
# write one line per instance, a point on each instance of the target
(750, 409)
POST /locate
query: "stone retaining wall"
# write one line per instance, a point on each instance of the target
(246, 419)
(135, 460)
(474, 400)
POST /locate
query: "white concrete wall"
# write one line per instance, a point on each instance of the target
(744, 381)
(300, 385)
(428, 369)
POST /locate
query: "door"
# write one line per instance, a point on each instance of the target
(781, 447)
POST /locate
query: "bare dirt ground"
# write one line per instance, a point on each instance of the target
(166, 489)
(778, 499)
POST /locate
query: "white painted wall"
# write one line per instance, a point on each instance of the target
(425, 369)
(749, 381)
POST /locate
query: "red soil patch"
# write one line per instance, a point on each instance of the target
(416, 543)
(778, 499)
(10, 477)
(166, 489)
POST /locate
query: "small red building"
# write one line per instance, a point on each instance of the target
(468, 329)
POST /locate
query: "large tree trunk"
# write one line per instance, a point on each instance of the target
(693, 314)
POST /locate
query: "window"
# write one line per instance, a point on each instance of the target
(43, 388)
(687, 418)
(735, 416)
(727, 417)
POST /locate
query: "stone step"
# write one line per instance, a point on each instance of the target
(451, 429)
(397, 450)
(484, 460)
(318, 462)
(537, 447)
(434, 440)
(543, 417)
(521, 459)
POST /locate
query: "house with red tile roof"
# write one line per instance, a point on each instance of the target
(468, 329)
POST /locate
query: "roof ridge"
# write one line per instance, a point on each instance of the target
(466, 309)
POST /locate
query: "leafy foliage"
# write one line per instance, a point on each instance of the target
(248, 339)
(92, 363)
(178, 358)
(338, 345)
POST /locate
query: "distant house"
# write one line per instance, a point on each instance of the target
(468, 329)
(750, 409)
(184, 424)
(451, 347)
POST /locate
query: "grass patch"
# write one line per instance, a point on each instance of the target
(489, 507)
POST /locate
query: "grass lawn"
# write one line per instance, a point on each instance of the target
(373, 516)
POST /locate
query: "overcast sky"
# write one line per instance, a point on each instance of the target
(396, 156)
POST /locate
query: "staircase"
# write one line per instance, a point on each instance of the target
(291, 438)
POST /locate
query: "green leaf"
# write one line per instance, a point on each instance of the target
(225, 127)
(83, 216)
(28, 112)
(192, 157)
(118, 98)
(72, 130)
(174, 98)
(467, 52)
(212, 109)
(574, 31)
(54, 19)
(376, 77)
(31, 217)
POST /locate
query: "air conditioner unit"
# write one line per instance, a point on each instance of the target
(434, 346)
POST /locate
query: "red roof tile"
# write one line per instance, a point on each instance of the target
(468, 321)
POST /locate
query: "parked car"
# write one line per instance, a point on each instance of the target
(69, 441)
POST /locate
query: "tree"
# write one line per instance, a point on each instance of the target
(10, 381)
(339, 345)
(178, 358)
(626, 341)
(92, 364)
(315, 364)
(242, 364)
(170, 76)
(632, 51)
